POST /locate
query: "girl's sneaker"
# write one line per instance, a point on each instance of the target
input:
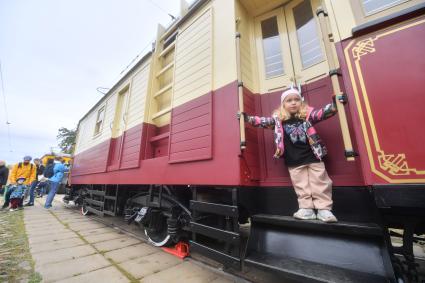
(13, 209)
(326, 216)
(305, 214)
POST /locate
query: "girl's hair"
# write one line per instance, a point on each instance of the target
(284, 115)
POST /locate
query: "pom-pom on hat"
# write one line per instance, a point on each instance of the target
(288, 92)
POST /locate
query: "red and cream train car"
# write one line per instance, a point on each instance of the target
(165, 148)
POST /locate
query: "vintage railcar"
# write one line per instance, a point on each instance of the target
(164, 146)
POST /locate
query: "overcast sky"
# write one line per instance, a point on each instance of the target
(54, 54)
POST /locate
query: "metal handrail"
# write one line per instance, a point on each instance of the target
(333, 67)
(240, 92)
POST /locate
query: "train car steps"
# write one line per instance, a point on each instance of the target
(313, 251)
(229, 255)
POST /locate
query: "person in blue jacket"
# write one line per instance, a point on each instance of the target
(54, 182)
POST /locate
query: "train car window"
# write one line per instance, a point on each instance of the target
(272, 48)
(307, 34)
(99, 120)
(374, 6)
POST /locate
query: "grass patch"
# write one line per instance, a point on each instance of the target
(16, 263)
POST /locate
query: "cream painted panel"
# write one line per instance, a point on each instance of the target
(193, 61)
(85, 133)
(244, 27)
(341, 18)
(86, 130)
(258, 7)
(138, 92)
(224, 43)
(135, 109)
(81, 135)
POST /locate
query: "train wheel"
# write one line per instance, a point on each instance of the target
(157, 229)
(84, 210)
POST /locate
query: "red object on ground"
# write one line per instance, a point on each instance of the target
(181, 250)
(14, 203)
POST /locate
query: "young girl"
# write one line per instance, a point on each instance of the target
(303, 151)
(17, 194)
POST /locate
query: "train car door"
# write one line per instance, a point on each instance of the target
(118, 127)
(305, 56)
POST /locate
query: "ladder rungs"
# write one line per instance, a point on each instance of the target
(107, 212)
(96, 192)
(220, 209)
(164, 89)
(163, 70)
(169, 33)
(159, 137)
(226, 259)
(95, 202)
(111, 197)
(167, 50)
(162, 112)
(215, 233)
(95, 211)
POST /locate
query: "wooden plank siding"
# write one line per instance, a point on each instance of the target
(137, 103)
(101, 152)
(191, 131)
(244, 27)
(93, 160)
(131, 147)
(86, 138)
(193, 61)
(191, 124)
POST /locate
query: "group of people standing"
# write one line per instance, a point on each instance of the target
(26, 176)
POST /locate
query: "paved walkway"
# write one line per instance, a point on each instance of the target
(68, 247)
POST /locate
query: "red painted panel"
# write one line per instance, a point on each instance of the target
(191, 144)
(275, 169)
(341, 171)
(222, 169)
(201, 131)
(191, 105)
(93, 160)
(251, 155)
(131, 148)
(194, 113)
(187, 121)
(192, 154)
(385, 73)
(226, 167)
(259, 155)
(114, 154)
(158, 147)
(192, 123)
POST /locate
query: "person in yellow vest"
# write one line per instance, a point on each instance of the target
(25, 170)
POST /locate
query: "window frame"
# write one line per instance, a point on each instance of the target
(376, 11)
(98, 130)
(362, 17)
(317, 70)
(284, 80)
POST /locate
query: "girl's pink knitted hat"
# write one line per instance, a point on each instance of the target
(288, 92)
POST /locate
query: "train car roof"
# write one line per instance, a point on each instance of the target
(173, 26)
